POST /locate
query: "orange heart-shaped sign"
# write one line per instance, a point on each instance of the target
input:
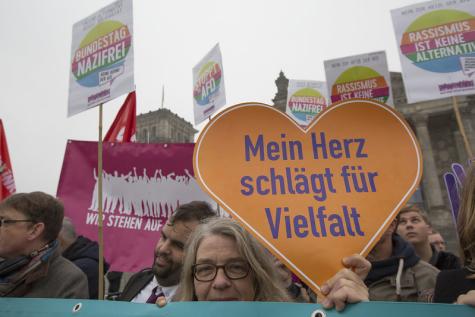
(311, 196)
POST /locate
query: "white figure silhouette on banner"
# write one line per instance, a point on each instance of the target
(145, 196)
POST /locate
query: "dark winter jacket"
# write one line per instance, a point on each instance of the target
(415, 282)
(136, 283)
(55, 277)
(453, 283)
(84, 253)
(444, 260)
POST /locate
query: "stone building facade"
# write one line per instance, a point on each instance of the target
(164, 126)
(436, 128)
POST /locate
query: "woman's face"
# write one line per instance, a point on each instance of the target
(220, 250)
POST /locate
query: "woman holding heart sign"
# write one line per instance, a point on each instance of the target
(223, 262)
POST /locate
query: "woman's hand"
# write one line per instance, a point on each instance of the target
(347, 285)
(467, 299)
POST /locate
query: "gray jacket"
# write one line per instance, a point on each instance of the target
(416, 284)
(60, 278)
(401, 277)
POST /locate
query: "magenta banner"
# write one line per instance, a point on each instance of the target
(142, 185)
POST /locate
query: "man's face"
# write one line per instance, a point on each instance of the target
(168, 260)
(14, 237)
(413, 228)
(437, 241)
(382, 243)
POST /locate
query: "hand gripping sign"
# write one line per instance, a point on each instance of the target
(310, 196)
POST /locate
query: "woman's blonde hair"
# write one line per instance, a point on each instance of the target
(466, 219)
(266, 283)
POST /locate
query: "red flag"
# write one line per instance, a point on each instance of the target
(7, 183)
(123, 127)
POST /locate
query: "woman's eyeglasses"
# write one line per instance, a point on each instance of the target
(206, 272)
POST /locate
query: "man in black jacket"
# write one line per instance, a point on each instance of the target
(161, 281)
(84, 253)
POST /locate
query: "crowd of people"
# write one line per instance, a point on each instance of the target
(202, 257)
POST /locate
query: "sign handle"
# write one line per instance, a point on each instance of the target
(461, 127)
(99, 199)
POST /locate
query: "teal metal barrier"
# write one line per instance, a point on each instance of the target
(19, 307)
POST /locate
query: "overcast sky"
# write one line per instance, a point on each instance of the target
(257, 39)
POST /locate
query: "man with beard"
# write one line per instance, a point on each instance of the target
(161, 281)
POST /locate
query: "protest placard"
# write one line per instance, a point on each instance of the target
(436, 42)
(310, 196)
(360, 76)
(102, 57)
(208, 85)
(306, 99)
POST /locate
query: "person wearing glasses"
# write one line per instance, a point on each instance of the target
(32, 265)
(223, 262)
